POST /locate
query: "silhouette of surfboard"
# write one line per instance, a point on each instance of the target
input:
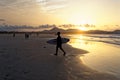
(54, 41)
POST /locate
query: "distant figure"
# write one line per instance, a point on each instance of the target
(13, 34)
(26, 36)
(59, 44)
(37, 34)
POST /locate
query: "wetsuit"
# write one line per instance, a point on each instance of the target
(59, 42)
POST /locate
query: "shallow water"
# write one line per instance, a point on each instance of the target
(104, 52)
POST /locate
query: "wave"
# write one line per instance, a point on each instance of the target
(106, 38)
(111, 38)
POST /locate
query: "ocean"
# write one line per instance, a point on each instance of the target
(103, 51)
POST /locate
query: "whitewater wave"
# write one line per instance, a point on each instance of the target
(106, 38)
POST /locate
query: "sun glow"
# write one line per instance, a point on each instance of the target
(82, 22)
(83, 28)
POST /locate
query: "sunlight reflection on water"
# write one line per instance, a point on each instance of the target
(102, 57)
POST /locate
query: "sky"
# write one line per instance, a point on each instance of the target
(105, 14)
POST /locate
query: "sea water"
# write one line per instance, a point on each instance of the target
(103, 51)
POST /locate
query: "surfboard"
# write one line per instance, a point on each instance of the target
(54, 41)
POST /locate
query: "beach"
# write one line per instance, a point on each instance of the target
(33, 59)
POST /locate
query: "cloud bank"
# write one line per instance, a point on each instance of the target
(25, 28)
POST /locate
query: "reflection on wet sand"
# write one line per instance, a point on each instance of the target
(102, 57)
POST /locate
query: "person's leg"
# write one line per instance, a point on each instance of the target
(56, 50)
(63, 51)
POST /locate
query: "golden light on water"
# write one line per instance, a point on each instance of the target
(97, 51)
(77, 41)
(82, 42)
(102, 57)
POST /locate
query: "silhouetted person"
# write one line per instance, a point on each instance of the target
(26, 36)
(59, 44)
(13, 34)
(37, 34)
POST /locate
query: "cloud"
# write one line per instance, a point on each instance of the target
(2, 19)
(16, 4)
(52, 5)
(47, 6)
(25, 28)
(18, 7)
(5, 3)
(89, 25)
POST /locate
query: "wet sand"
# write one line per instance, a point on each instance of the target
(33, 59)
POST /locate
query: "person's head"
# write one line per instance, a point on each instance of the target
(58, 33)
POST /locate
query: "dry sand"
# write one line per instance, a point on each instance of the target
(33, 59)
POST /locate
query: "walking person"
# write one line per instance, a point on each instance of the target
(59, 44)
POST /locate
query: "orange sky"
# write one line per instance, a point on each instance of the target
(37, 12)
